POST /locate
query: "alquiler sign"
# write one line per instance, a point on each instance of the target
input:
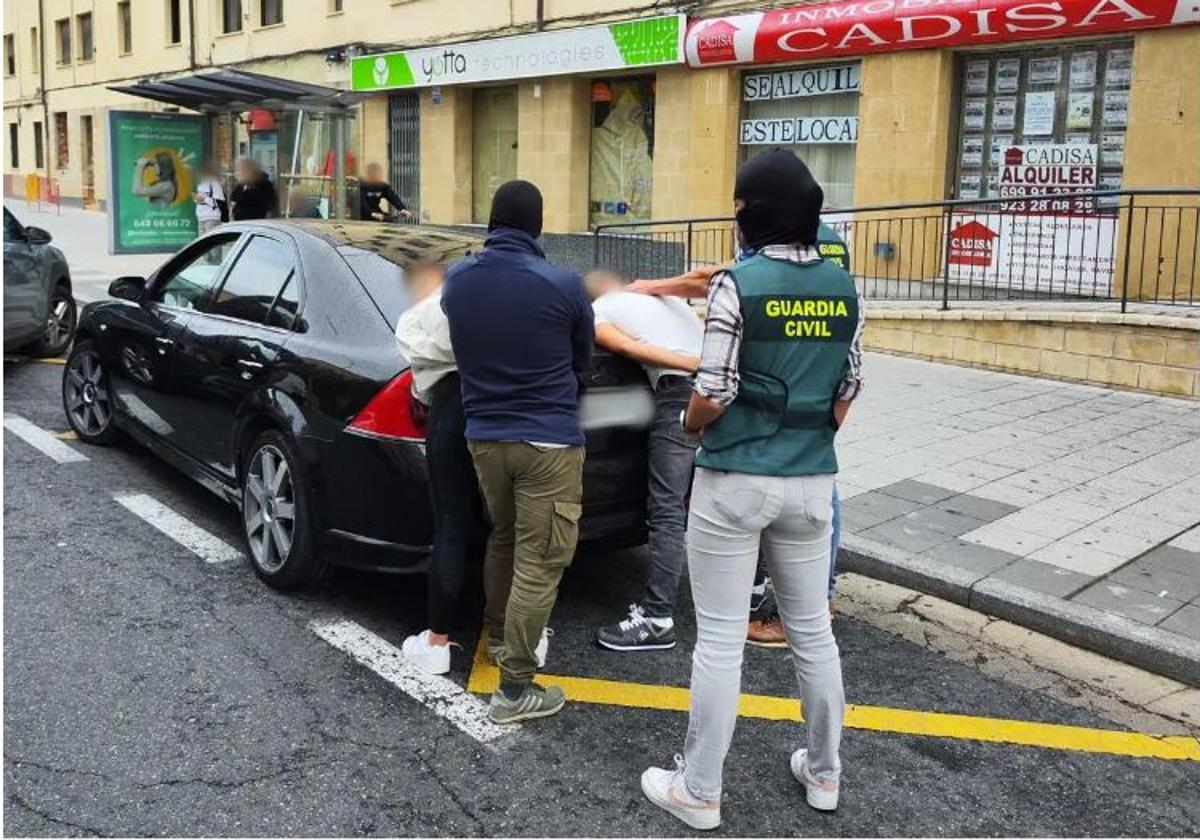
(838, 29)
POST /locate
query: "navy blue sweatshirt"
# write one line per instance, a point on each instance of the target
(522, 332)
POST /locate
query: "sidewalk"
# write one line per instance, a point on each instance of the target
(82, 236)
(1071, 509)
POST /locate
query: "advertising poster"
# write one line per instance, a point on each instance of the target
(1112, 148)
(1008, 75)
(1004, 113)
(977, 77)
(1116, 108)
(1079, 109)
(1040, 172)
(1039, 113)
(1081, 138)
(153, 162)
(969, 184)
(1118, 72)
(972, 153)
(974, 114)
(1083, 70)
(1045, 71)
(999, 143)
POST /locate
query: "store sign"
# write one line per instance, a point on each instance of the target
(803, 81)
(615, 46)
(799, 131)
(153, 160)
(821, 30)
(1042, 172)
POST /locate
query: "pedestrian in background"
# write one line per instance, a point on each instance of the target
(423, 334)
(254, 195)
(522, 334)
(664, 335)
(373, 191)
(776, 374)
(211, 207)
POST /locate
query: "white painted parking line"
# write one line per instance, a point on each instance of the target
(441, 696)
(41, 440)
(191, 536)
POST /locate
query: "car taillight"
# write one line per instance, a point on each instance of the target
(393, 413)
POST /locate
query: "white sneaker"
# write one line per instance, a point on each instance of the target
(822, 795)
(543, 647)
(665, 788)
(433, 659)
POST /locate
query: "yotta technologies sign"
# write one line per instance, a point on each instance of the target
(614, 46)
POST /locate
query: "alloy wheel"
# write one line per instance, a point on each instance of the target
(60, 322)
(87, 393)
(269, 508)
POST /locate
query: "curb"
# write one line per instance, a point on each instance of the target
(1158, 651)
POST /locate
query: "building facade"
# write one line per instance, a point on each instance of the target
(621, 118)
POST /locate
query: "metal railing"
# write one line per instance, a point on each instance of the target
(1112, 245)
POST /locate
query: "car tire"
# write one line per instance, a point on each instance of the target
(276, 514)
(87, 397)
(60, 325)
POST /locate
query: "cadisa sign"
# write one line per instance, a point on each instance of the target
(823, 30)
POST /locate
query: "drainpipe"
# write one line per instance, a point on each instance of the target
(541, 15)
(42, 87)
(191, 34)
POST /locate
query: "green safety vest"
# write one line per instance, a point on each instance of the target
(798, 323)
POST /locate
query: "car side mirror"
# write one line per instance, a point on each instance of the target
(128, 288)
(37, 236)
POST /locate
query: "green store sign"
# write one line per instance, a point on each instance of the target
(588, 49)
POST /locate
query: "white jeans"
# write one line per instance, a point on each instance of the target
(730, 514)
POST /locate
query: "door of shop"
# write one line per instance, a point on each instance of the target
(89, 160)
(404, 147)
(494, 145)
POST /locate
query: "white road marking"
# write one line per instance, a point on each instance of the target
(191, 536)
(41, 440)
(442, 696)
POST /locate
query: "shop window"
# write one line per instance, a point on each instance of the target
(270, 12)
(10, 55)
(493, 146)
(622, 155)
(231, 16)
(14, 154)
(62, 29)
(1074, 95)
(62, 144)
(125, 27)
(87, 47)
(35, 50)
(812, 110)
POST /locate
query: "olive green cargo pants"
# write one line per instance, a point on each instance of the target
(533, 500)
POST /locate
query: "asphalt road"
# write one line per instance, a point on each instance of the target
(149, 692)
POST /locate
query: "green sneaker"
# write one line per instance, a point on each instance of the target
(534, 702)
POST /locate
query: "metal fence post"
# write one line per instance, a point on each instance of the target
(1128, 248)
(687, 249)
(596, 246)
(946, 262)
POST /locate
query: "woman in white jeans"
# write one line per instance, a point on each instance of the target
(780, 364)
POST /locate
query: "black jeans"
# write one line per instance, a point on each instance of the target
(671, 457)
(454, 491)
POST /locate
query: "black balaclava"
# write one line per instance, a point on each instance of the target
(782, 201)
(517, 204)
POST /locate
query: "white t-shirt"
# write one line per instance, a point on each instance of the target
(423, 334)
(212, 192)
(667, 322)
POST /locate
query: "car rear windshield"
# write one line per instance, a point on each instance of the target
(383, 280)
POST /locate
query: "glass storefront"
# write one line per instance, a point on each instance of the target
(493, 146)
(812, 110)
(1074, 95)
(622, 150)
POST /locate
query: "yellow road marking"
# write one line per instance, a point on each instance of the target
(485, 677)
(55, 361)
(69, 434)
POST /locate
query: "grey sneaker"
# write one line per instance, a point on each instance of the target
(535, 702)
(637, 632)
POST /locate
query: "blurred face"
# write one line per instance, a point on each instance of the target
(245, 172)
(374, 172)
(600, 283)
(424, 280)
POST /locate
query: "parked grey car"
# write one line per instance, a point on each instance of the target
(39, 311)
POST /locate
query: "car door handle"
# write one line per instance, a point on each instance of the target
(249, 367)
(164, 344)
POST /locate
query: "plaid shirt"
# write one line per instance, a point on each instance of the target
(718, 377)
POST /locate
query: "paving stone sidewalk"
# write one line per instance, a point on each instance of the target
(1074, 509)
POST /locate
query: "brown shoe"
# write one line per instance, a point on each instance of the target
(767, 632)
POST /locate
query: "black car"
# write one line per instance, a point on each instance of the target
(261, 360)
(39, 310)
